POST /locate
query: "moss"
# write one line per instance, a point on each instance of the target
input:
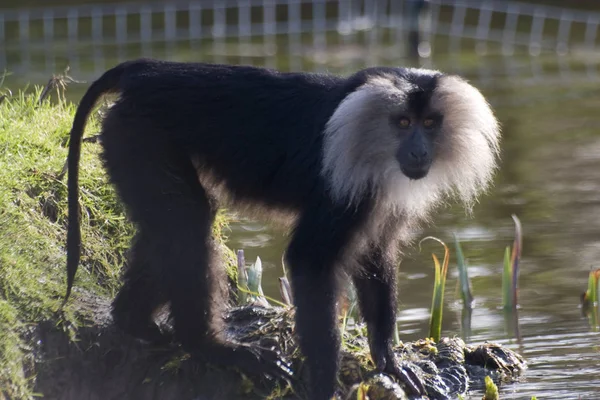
(33, 216)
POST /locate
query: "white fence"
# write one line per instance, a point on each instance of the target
(88, 37)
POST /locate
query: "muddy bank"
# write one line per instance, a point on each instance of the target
(103, 363)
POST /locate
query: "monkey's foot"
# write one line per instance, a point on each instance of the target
(385, 361)
(146, 331)
(251, 359)
(406, 377)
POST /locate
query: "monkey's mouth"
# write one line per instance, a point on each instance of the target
(415, 172)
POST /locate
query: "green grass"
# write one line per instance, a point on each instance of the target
(32, 226)
(33, 140)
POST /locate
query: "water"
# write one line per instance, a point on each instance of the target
(550, 178)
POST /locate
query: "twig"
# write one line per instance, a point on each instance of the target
(59, 83)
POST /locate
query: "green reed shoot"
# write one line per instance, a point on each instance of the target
(396, 335)
(463, 275)
(285, 289)
(250, 283)
(591, 295)
(507, 280)
(255, 283)
(437, 303)
(510, 275)
(590, 298)
(491, 390)
(348, 305)
(255, 277)
(516, 257)
(362, 391)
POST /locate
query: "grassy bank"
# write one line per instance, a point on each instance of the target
(33, 144)
(33, 149)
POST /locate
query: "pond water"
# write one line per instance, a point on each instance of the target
(549, 178)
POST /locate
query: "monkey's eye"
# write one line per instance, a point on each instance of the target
(429, 123)
(404, 122)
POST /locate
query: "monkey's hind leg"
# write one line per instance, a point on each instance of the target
(160, 187)
(140, 295)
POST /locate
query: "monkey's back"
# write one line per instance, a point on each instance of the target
(256, 131)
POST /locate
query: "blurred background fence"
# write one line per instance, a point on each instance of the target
(91, 37)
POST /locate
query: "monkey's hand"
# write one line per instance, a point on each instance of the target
(385, 361)
(250, 359)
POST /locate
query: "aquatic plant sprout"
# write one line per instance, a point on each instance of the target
(285, 289)
(437, 303)
(507, 298)
(463, 276)
(250, 283)
(349, 306)
(254, 273)
(516, 257)
(590, 306)
(510, 275)
(491, 390)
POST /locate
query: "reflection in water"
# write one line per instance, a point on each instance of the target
(465, 323)
(511, 326)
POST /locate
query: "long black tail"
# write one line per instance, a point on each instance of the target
(107, 83)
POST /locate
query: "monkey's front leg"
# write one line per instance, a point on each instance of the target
(377, 295)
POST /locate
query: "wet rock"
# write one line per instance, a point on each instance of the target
(382, 387)
(104, 363)
(445, 369)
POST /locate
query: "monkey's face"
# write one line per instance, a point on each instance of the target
(411, 137)
(417, 132)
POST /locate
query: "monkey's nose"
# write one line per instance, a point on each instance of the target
(418, 155)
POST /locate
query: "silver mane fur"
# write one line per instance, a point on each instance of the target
(359, 147)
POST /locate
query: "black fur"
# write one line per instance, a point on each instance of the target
(259, 133)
